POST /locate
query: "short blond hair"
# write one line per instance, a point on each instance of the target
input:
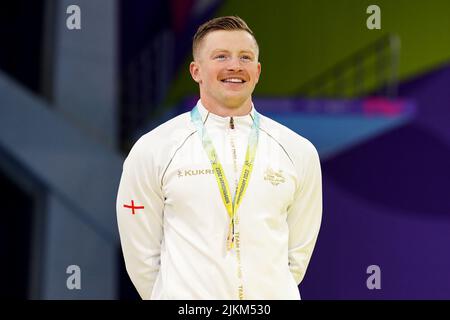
(229, 23)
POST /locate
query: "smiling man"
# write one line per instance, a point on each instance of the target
(226, 67)
(220, 202)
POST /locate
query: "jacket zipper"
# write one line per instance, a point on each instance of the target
(231, 123)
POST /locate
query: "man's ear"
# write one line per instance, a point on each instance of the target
(195, 72)
(259, 72)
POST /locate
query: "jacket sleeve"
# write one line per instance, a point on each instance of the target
(305, 214)
(140, 233)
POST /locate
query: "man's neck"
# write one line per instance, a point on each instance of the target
(225, 111)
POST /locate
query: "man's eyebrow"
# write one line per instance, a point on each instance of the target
(247, 51)
(225, 50)
(220, 50)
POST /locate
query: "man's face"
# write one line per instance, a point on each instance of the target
(226, 67)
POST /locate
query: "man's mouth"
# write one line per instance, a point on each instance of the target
(233, 80)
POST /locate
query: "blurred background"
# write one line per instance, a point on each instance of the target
(375, 103)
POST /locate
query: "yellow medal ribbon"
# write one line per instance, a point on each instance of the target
(230, 205)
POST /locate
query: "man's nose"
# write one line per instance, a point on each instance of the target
(234, 64)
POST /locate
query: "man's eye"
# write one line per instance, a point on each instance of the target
(220, 57)
(246, 58)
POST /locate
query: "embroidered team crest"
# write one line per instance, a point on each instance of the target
(274, 177)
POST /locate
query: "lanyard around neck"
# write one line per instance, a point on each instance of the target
(230, 205)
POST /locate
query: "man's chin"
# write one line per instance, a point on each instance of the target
(234, 102)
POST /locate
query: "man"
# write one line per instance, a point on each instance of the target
(220, 202)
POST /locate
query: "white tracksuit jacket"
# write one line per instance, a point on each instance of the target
(175, 246)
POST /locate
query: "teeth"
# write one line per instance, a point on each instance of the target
(233, 80)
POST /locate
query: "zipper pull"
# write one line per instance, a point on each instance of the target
(231, 123)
